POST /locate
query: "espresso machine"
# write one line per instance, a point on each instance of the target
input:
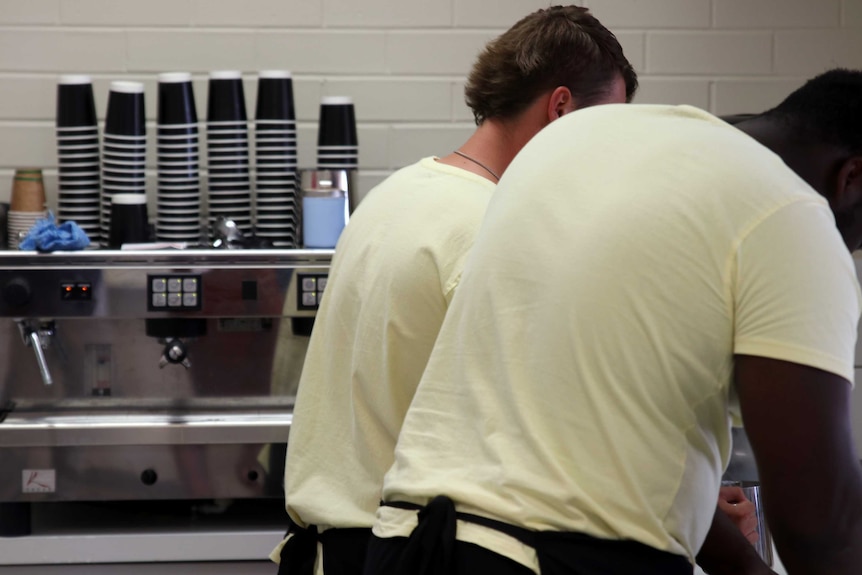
(149, 375)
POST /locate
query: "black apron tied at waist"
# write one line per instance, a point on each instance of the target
(431, 546)
(343, 550)
(429, 549)
(299, 552)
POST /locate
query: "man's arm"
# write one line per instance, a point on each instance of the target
(726, 551)
(798, 423)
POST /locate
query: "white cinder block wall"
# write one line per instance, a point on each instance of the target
(403, 61)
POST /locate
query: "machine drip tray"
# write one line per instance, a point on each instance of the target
(150, 531)
(118, 517)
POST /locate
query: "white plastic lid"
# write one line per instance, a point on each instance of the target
(225, 75)
(127, 87)
(336, 100)
(75, 79)
(174, 77)
(129, 199)
(274, 74)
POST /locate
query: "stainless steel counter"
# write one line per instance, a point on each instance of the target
(148, 532)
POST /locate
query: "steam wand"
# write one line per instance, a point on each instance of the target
(38, 338)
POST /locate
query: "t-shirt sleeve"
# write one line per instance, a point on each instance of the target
(797, 298)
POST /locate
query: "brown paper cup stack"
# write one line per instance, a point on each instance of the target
(27, 203)
(28, 191)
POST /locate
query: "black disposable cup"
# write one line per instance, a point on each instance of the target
(67, 170)
(190, 220)
(128, 154)
(276, 144)
(176, 99)
(276, 209)
(288, 191)
(82, 187)
(218, 132)
(236, 202)
(125, 115)
(177, 131)
(75, 136)
(171, 163)
(75, 103)
(282, 173)
(275, 162)
(285, 215)
(274, 96)
(129, 222)
(124, 155)
(226, 159)
(241, 217)
(284, 176)
(77, 150)
(79, 178)
(179, 214)
(229, 194)
(192, 153)
(276, 127)
(125, 140)
(188, 173)
(227, 151)
(170, 140)
(337, 126)
(225, 97)
(111, 188)
(125, 181)
(274, 198)
(221, 179)
(229, 169)
(181, 201)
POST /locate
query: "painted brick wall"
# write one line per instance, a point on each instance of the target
(403, 61)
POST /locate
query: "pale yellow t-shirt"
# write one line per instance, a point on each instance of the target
(582, 378)
(392, 277)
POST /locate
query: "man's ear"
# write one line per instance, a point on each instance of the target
(560, 103)
(848, 189)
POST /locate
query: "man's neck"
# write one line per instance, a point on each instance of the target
(496, 142)
(811, 162)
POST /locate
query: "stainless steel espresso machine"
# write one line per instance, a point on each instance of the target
(149, 375)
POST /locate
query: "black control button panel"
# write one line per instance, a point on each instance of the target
(172, 292)
(310, 290)
(76, 291)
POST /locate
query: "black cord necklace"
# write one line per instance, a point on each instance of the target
(478, 163)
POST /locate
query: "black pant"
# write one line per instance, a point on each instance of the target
(385, 555)
(433, 550)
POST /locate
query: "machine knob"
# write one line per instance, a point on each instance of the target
(17, 292)
(175, 352)
(149, 476)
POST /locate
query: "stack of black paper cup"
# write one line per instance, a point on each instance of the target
(337, 144)
(178, 218)
(124, 148)
(227, 150)
(277, 213)
(78, 154)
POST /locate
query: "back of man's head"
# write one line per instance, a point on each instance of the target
(557, 46)
(827, 110)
